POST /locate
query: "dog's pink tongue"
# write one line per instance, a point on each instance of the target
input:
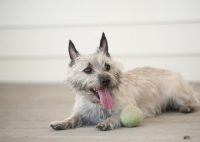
(105, 98)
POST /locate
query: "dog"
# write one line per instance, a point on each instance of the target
(102, 89)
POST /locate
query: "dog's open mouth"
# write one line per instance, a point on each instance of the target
(104, 95)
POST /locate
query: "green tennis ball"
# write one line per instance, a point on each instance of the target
(131, 116)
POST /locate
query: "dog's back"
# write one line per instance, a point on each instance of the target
(154, 90)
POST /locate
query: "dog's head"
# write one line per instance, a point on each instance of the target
(94, 75)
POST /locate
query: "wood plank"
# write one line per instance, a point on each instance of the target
(178, 39)
(51, 12)
(27, 109)
(55, 69)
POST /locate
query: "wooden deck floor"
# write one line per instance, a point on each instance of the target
(26, 111)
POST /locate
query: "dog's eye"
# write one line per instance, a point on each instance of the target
(107, 67)
(88, 70)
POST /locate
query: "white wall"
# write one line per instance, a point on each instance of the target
(34, 35)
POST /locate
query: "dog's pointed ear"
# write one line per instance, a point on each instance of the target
(73, 53)
(104, 45)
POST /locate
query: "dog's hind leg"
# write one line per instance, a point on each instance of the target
(191, 104)
(185, 102)
(181, 96)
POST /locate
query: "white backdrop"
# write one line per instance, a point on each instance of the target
(34, 35)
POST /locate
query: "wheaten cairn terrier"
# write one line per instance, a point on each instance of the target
(102, 90)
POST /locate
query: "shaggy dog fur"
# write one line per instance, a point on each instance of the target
(98, 82)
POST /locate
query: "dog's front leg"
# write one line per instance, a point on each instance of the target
(69, 123)
(110, 123)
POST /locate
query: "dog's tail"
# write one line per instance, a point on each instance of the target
(197, 96)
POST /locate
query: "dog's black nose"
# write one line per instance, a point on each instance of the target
(105, 82)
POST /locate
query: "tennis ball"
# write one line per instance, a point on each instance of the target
(131, 116)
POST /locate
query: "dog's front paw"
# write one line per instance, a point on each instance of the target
(58, 125)
(71, 123)
(104, 126)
